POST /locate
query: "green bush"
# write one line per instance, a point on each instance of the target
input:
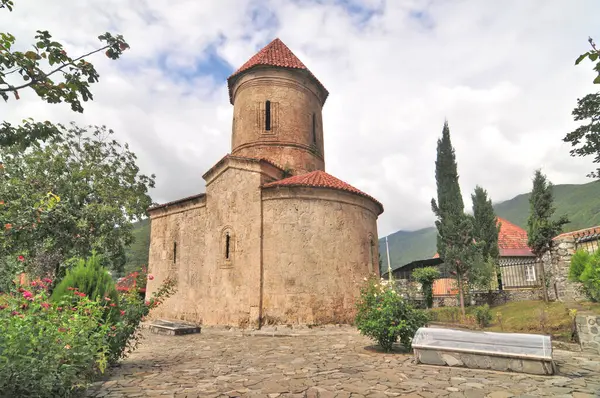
(585, 268)
(384, 316)
(483, 315)
(426, 276)
(49, 349)
(10, 268)
(89, 277)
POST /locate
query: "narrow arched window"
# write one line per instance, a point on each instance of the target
(314, 129)
(174, 252)
(268, 115)
(227, 246)
(371, 253)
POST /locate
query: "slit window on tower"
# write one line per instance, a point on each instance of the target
(314, 129)
(268, 115)
(227, 245)
(174, 252)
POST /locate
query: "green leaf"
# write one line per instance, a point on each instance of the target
(581, 58)
(597, 80)
(594, 56)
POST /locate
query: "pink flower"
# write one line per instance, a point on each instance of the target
(151, 277)
(28, 295)
(45, 305)
(47, 280)
(122, 312)
(112, 304)
(4, 306)
(14, 313)
(21, 258)
(107, 298)
(34, 283)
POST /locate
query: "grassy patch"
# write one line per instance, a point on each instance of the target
(519, 317)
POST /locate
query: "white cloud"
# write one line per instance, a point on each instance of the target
(501, 72)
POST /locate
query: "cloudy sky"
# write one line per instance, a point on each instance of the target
(501, 72)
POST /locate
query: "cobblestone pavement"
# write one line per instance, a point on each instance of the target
(327, 362)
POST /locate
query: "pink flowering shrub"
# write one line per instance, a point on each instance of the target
(384, 316)
(133, 309)
(49, 349)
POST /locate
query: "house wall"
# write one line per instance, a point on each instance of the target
(319, 245)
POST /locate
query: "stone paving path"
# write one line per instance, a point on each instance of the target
(327, 362)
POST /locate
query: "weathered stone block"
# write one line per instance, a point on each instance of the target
(429, 357)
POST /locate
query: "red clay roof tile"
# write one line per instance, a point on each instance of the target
(580, 233)
(512, 239)
(278, 54)
(319, 179)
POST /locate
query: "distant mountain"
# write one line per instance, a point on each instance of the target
(581, 203)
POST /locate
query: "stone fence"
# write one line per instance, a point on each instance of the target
(588, 331)
(558, 261)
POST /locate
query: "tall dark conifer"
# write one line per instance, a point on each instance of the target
(455, 228)
(541, 228)
(486, 229)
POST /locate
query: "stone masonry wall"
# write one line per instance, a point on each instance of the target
(294, 99)
(556, 265)
(588, 331)
(183, 225)
(213, 289)
(319, 245)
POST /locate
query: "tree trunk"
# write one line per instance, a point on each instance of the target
(543, 272)
(461, 294)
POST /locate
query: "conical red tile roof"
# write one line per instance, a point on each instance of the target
(277, 54)
(320, 179)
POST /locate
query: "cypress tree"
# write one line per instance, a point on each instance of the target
(455, 228)
(486, 229)
(541, 228)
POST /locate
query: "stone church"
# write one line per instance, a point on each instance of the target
(275, 239)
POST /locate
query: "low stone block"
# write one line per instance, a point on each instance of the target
(173, 328)
(429, 357)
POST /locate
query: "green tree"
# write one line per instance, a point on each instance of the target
(541, 228)
(585, 139)
(100, 188)
(594, 55)
(51, 73)
(486, 229)
(455, 229)
(585, 268)
(426, 276)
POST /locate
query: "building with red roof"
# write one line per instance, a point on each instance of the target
(275, 238)
(517, 264)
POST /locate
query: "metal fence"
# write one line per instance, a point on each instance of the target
(515, 273)
(587, 239)
(520, 272)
